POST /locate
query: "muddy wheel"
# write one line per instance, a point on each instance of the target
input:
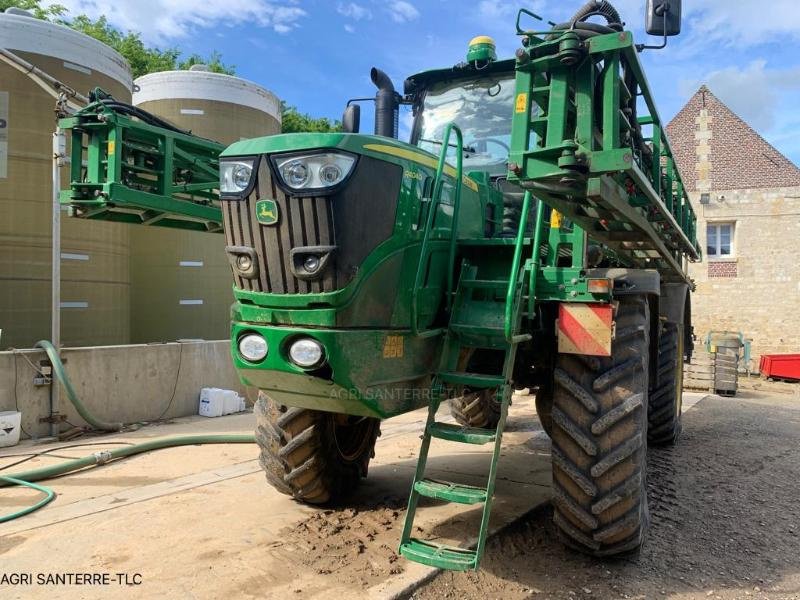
(599, 440)
(664, 406)
(476, 409)
(314, 456)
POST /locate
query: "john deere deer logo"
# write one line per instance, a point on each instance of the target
(267, 212)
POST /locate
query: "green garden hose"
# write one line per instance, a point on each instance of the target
(25, 478)
(61, 375)
(49, 495)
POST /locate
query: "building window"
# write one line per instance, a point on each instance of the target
(719, 240)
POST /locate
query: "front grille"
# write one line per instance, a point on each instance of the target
(355, 219)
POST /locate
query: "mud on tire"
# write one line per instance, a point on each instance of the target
(599, 420)
(478, 408)
(314, 456)
(664, 406)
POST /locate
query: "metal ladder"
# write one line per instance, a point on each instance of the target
(486, 313)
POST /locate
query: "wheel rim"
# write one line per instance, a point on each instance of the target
(352, 435)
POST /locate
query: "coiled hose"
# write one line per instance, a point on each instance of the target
(26, 478)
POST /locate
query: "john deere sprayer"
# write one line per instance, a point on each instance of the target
(532, 233)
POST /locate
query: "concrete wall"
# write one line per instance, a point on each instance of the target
(120, 383)
(757, 289)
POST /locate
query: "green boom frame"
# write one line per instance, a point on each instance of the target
(123, 169)
(578, 145)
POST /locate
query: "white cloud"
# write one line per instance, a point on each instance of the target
(161, 21)
(402, 11)
(354, 11)
(753, 92)
(349, 28)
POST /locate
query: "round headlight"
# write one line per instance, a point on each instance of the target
(241, 176)
(306, 353)
(244, 262)
(253, 347)
(330, 174)
(296, 174)
(311, 264)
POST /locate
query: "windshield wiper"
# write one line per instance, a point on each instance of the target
(439, 142)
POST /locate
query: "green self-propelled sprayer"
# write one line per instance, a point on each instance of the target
(533, 232)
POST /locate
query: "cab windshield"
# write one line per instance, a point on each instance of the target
(482, 109)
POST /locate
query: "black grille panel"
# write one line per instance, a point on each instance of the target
(301, 222)
(363, 211)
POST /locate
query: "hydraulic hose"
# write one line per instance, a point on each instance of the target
(26, 478)
(104, 456)
(61, 375)
(585, 29)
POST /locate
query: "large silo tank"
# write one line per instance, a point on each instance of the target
(181, 281)
(95, 288)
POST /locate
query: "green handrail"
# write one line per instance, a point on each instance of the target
(513, 281)
(435, 200)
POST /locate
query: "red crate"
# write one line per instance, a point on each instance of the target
(783, 366)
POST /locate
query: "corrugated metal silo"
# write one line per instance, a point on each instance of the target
(181, 281)
(95, 255)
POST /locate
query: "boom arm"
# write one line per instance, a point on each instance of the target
(578, 144)
(131, 167)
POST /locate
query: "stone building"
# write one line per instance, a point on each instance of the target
(747, 198)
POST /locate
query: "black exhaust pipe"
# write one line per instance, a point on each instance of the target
(387, 104)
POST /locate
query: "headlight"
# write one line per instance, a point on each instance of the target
(314, 171)
(306, 353)
(235, 175)
(253, 347)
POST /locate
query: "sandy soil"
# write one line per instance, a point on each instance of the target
(725, 509)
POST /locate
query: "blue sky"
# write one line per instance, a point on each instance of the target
(316, 54)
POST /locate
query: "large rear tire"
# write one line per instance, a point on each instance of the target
(315, 456)
(478, 408)
(599, 438)
(664, 406)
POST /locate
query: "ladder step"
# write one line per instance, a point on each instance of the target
(435, 555)
(452, 492)
(456, 433)
(475, 380)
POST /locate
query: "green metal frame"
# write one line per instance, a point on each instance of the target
(123, 169)
(438, 186)
(575, 146)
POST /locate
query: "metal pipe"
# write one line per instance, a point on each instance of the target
(50, 84)
(59, 150)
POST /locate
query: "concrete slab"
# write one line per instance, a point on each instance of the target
(201, 522)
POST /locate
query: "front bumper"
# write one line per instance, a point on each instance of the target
(369, 372)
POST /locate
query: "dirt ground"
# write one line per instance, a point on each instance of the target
(725, 519)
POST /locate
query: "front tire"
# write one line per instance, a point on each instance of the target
(599, 421)
(478, 408)
(315, 456)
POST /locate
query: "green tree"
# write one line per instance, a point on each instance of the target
(35, 8)
(296, 122)
(143, 59)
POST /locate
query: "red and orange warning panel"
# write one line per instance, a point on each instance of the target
(585, 328)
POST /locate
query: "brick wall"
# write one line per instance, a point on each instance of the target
(711, 143)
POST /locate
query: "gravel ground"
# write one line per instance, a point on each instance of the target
(725, 510)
